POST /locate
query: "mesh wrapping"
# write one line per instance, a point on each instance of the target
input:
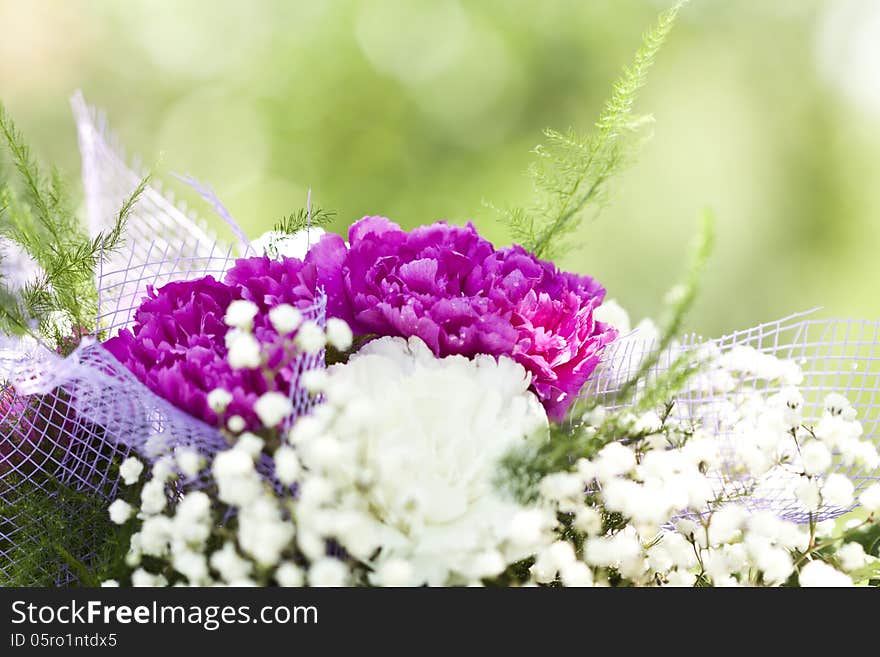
(66, 423)
(70, 421)
(834, 355)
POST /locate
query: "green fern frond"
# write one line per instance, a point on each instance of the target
(571, 172)
(304, 218)
(39, 216)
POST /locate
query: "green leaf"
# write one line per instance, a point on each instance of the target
(571, 172)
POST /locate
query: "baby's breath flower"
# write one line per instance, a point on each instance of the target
(838, 490)
(189, 461)
(120, 511)
(272, 408)
(240, 314)
(244, 350)
(852, 556)
(218, 400)
(249, 443)
(130, 470)
(870, 498)
(236, 424)
(287, 466)
(314, 380)
(153, 498)
(142, 578)
(310, 338)
(289, 575)
(339, 334)
(285, 318)
(230, 565)
(395, 573)
(816, 458)
(818, 573)
(328, 572)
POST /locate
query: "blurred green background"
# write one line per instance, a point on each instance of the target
(766, 111)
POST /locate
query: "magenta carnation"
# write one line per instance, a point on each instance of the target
(454, 290)
(177, 346)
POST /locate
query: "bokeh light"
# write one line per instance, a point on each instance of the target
(766, 112)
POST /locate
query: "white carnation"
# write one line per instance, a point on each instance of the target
(413, 451)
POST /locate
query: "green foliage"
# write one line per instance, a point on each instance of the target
(681, 301)
(304, 218)
(38, 215)
(59, 526)
(522, 469)
(572, 171)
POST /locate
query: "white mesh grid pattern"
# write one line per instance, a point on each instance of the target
(835, 355)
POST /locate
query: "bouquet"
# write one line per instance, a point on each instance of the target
(406, 408)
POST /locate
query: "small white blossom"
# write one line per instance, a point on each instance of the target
(236, 424)
(615, 460)
(244, 350)
(153, 498)
(120, 512)
(808, 494)
(310, 338)
(163, 469)
(240, 314)
(263, 533)
(287, 467)
(192, 565)
(852, 556)
(272, 408)
(192, 518)
(314, 380)
(870, 498)
(561, 486)
(818, 573)
(285, 318)
(231, 566)
(218, 400)
(141, 578)
(576, 574)
(528, 527)
(838, 405)
(339, 334)
(130, 470)
(289, 575)
(189, 461)
(249, 443)
(816, 457)
(394, 572)
(681, 578)
(328, 572)
(155, 534)
(838, 490)
(588, 520)
(238, 483)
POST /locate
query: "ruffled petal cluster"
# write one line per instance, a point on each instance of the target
(177, 346)
(450, 287)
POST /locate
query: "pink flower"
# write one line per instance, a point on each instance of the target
(450, 287)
